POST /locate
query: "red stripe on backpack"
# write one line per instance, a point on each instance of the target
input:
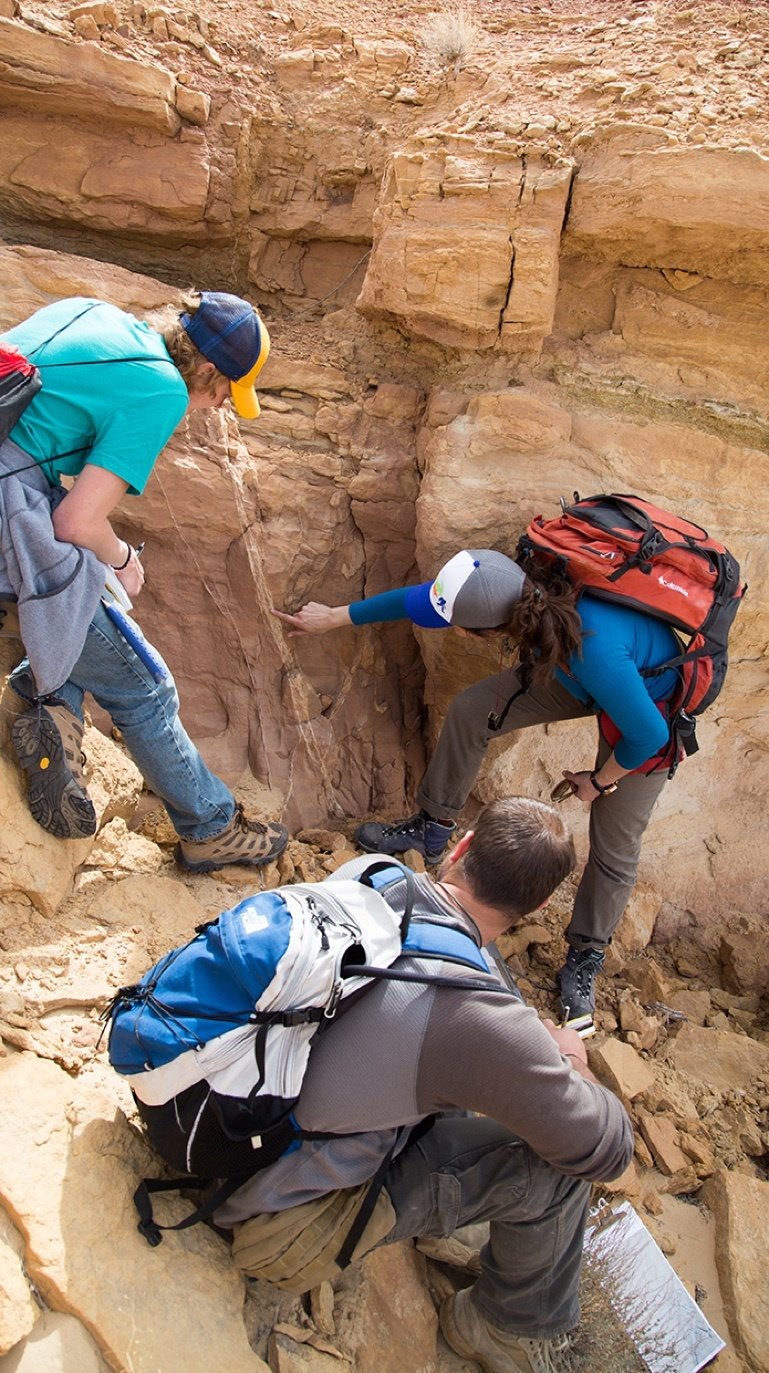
(11, 360)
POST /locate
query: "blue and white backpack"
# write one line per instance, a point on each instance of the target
(215, 1039)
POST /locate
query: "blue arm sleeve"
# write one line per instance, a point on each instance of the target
(405, 603)
(391, 605)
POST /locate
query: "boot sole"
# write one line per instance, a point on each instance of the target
(213, 865)
(429, 858)
(56, 801)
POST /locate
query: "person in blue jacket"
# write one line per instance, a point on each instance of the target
(577, 656)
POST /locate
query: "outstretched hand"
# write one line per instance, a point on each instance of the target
(315, 618)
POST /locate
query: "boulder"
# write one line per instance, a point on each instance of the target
(44, 73)
(58, 1344)
(620, 1067)
(745, 960)
(741, 1208)
(35, 865)
(665, 207)
(18, 1309)
(466, 245)
(385, 1320)
(661, 1135)
(68, 1169)
(147, 185)
(718, 1058)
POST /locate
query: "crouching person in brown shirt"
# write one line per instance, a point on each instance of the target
(462, 1106)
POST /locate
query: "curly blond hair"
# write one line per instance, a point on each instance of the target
(185, 356)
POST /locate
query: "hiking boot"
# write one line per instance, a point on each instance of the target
(428, 837)
(577, 980)
(473, 1337)
(47, 740)
(248, 842)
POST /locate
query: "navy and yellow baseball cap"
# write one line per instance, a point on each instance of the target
(230, 334)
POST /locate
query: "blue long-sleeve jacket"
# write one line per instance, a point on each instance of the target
(617, 643)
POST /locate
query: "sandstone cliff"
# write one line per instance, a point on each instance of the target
(494, 273)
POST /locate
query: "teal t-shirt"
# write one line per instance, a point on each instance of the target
(111, 395)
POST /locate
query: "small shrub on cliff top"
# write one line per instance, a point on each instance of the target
(451, 36)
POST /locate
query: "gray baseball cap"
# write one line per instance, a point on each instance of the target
(477, 589)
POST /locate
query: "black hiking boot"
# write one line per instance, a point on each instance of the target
(428, 837)
(577, 979)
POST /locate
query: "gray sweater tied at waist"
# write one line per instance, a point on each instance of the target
(57, 585)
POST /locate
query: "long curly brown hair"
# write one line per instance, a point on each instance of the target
(545, 624)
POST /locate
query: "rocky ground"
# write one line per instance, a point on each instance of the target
(683, 1038)
(697, 71)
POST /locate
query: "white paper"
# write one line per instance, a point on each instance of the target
(667, 1326)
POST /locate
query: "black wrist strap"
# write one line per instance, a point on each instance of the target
(118, 567)
(601, 790)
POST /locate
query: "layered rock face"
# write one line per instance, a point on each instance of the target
(489, 284)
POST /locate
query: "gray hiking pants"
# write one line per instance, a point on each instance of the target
(468, 1169)
(617, 821)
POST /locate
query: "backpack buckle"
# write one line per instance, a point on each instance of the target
(151, 1232)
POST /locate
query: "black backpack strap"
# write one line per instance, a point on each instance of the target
(497, 718)
(366, 1211)
(398, 870)
(149, 1227)
(406, 1136)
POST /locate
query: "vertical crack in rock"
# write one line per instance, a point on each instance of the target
(508, 293)
(569, 198)
(293, 679)
(511, 241)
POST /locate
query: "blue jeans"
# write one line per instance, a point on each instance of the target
(468, 1169)
(147, 715)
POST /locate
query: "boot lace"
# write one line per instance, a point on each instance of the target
(246, 825)
(414, 825)
(549, 1356)
(589, 965)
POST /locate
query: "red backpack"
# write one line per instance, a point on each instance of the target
(622, 548)
(19, 383)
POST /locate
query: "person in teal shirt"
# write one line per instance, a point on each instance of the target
(578, 656)
(112, 394)
(113, 391)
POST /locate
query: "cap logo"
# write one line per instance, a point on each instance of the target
(449, 583)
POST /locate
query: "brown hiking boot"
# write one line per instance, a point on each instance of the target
(243, 841)
(48, 740)
(497, 1351)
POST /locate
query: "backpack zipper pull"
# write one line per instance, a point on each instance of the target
(329, 1011)
(320, 921)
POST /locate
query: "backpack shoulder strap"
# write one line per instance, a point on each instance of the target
(381, 874)
(429, 939)
(425, 938)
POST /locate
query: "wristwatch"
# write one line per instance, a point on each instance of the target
(602, 791)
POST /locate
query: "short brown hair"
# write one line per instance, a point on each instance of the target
(520, 852)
